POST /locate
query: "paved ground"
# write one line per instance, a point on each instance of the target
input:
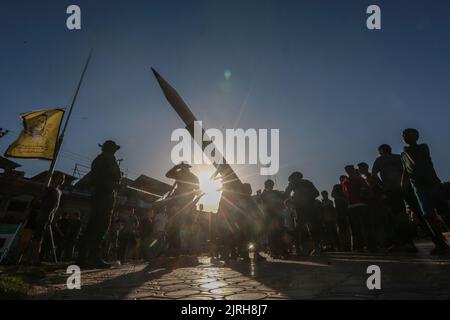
(336, 276)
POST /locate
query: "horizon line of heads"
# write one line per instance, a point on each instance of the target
(410, 137)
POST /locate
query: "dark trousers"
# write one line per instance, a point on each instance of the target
(99, 222)
(315, 230)
(426, 222)
(401, 232)
(59, 243)
(309, 228)
(360, 224)
(431, 199)
(69, 247)
(331, 234)
(173, 237)
(302, 238)
(125, 240)
(343, 228)
(245, 237)
(232, 242)
(46, 252)
(237, 241)
(275, 232)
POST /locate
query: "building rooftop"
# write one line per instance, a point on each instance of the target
(151, 185)
(7, 164)
(41, 177)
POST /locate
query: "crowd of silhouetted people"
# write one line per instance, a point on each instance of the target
(377, 208)
(119, 243)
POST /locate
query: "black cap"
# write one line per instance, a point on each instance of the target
(109, 145)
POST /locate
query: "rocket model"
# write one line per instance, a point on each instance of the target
(183, 111)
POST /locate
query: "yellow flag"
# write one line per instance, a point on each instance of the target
(39, 136)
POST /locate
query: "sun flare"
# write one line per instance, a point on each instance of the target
(211, 188)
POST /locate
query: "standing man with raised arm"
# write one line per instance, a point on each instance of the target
(185, 190)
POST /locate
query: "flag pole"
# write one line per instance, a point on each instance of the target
(59, 142)
(61, 136)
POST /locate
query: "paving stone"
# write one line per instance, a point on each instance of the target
(227, 290)
(182, 293)
(198, 297)
(143, 294)
(214, 285)
(249, 283)
(204, 280)
(237, 279)
(175, 287)
(155, 298)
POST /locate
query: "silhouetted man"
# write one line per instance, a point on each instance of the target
(388, 167)
(249, 222)
(186, 188)
(375, 209)
(224, 231)
(329, 221)
(272, 202)
(128, 233)
(49, 204)
(356, 191)
(105, 177)
(419, 170)
(303, 198)
(340, 203)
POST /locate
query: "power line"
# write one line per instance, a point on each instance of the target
(75, 158)
(77, 154)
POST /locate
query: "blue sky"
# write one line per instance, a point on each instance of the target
(309, 68)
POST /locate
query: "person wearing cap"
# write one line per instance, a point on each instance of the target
(105, 178)
(186, 188)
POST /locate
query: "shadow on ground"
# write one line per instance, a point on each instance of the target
(334, 276)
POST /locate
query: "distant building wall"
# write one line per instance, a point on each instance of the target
(17, 193)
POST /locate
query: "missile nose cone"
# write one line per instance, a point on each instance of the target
(155, 72)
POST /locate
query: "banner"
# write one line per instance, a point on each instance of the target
(39, 136)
